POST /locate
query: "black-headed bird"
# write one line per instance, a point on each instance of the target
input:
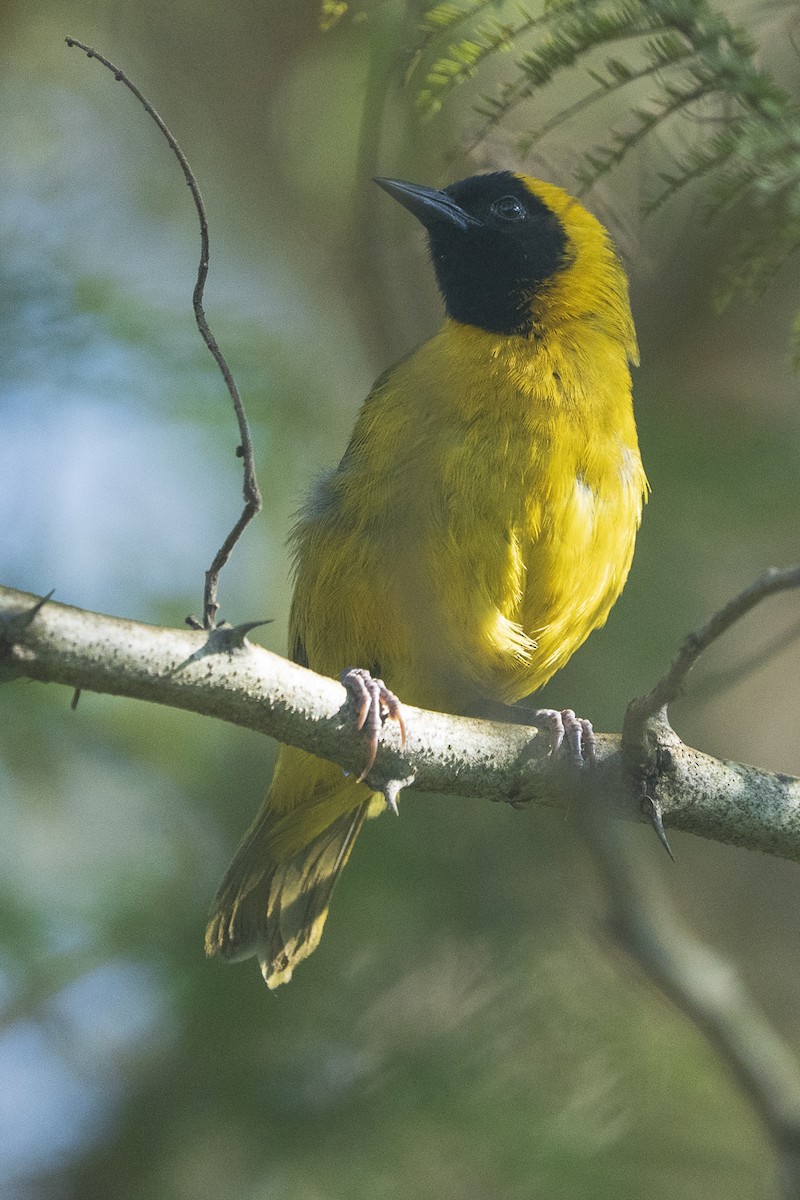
(479, 526)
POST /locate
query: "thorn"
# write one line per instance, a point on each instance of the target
(392, 790)
(13, 625)
(390, 794)
(238, 633)
(24, 619)
(225, 637)
(652, 810)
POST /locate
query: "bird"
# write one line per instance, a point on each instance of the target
(480, 524)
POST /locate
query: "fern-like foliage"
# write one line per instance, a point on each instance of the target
(684, 55)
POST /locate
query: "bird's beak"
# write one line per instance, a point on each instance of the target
(428, 206)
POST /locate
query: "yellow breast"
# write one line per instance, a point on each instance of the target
(521, 496)
(482, 521)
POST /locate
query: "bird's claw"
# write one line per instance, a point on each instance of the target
(563, 727)
(375, 705)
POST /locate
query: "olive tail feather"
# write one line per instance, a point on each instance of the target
(275, 907)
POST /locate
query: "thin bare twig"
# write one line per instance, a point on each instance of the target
(252, 495)
(670, 685)
(728, 677)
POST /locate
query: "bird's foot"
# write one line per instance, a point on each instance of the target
(376, 704)
(564, 727)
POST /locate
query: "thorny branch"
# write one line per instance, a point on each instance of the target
(218, 673)
(252, 495)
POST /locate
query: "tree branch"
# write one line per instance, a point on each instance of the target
(217, 673)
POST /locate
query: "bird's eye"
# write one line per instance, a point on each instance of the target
(509, 208)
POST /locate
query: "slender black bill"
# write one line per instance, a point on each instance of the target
(427, 204)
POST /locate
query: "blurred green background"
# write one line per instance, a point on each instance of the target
(463, 1030)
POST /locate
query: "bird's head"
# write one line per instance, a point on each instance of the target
(506, 247)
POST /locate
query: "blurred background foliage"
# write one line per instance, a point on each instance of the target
(462, 1030)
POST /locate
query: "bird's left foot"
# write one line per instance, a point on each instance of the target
(563, 727)
(376, 704)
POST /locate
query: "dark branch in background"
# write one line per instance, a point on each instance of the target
(705, 989)
(252, 495)
(366, 244)
(702, 986)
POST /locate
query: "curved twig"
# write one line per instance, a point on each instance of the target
(252, 495)
(654, 703)
(712, 684)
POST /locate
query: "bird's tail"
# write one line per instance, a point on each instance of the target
(274, 898)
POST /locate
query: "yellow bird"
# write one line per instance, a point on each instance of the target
(479, 526)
